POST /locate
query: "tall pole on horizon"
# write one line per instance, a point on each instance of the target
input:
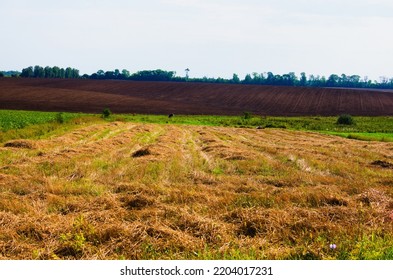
(187, 70)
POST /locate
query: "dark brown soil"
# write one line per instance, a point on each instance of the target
(23, 144)
(93, 96)
(382, 164)
(141, 153)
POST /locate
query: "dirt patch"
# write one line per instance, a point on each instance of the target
(21, 144)
(335, 202)
(382, 164)
(136, 202)
(141, 153)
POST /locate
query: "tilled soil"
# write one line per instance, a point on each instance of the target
(92, 96)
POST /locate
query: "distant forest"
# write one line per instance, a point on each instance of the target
(266, 78)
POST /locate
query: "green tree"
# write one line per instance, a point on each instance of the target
(27, 72)
(153, 75)
(289, 79)
(345, 119)
(106, 113)
(344, 80)
(270, 79)
(109, 75)
(125, 73)
(354, 80)
(303, 79)
(62, 73)
(100, 74)
(39, 72)
(235, 79)
(56, 72)
(68, 73)
(247, 79)
(75, 73)
(278, 80)
(48, 72)
(258, 78)
(333, 80)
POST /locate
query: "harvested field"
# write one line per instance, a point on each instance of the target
(146, 191)
(92, 96)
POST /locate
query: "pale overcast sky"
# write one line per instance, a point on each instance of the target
(213, 38)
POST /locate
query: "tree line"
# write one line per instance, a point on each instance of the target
(266, 78)
(50, 72)
(146, 75)
(9, 73)
(334, 80)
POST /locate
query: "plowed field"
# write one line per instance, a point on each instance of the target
(188, 98)
(146, 191)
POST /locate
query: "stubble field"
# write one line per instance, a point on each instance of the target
(124, 190)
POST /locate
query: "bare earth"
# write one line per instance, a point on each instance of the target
(188, 98)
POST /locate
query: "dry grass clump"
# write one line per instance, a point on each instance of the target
(127, 191)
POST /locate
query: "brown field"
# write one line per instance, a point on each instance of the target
(188, 98)
(118, 190)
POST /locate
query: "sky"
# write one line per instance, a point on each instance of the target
(213, 38)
